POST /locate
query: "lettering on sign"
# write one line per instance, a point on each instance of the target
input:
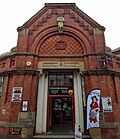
(50, 65)
(61, 65)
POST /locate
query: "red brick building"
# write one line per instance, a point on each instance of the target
(45, 80)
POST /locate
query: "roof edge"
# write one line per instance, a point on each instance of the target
(116, 50)
(91, 20)
(59, 4)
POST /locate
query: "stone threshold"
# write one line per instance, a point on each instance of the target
(59, 136)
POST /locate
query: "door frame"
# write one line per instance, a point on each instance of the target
(43, 102)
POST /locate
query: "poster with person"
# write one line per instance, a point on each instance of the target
(107, 104)
(93, 108)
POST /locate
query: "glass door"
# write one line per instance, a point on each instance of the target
(61, 110)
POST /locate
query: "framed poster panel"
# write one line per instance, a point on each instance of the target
(107, 104)
(24, 105)
(17, 94)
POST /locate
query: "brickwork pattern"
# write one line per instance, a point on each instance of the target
(61, 45)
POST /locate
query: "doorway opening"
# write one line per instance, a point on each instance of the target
(61, 113)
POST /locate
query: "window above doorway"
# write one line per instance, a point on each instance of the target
(60, 83)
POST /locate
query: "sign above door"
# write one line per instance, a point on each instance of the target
(61, 65)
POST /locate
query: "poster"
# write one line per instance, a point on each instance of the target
(24, 105)
(15, 131)
(93, 108)
(107, 104)
(17, 94)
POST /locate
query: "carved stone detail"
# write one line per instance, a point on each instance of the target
(30, 32)
(72, 15)
(35, 27)
(91, 32)
(86, 27)
(44, 19)
(81, 23)
(54, 11)
(66, 11)
(76, 19)
(49, 15)
(40, 24)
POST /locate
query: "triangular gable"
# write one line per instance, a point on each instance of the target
(59, 5)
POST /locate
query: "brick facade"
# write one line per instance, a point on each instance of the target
(82, 40)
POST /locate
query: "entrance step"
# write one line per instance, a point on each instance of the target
(59, 137)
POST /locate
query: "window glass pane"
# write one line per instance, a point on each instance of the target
(69, 79)
(57, 104)
(60, 83)
(60, 79)
(52, 79)
(1, 82)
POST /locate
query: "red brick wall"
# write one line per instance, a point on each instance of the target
(39, 40)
